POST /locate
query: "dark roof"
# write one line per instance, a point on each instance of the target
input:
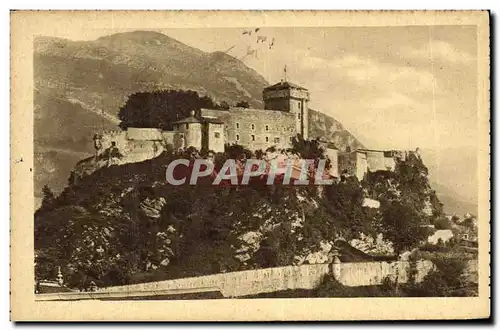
(283, 85)
(190, 119)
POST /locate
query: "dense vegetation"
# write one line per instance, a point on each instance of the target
(160, 109)
(125, 224)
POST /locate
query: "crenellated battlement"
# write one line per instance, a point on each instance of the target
(115, 147)
(362, 161)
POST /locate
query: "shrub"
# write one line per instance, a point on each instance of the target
(242, 104)
(330, 287)
(442, 224)
(446, 280)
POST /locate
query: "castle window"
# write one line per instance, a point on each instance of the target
(276, 140)
(237, 125)
(290, 138)
(300, 105)
(253, 137)
(267, 127)
(187, 126)
(237, 137)
(217, 134)
(253, 127)
(267, 139)
(298, 115)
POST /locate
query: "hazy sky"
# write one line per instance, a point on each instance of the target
(392, 87)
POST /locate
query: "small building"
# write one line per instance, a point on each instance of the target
(353, 164)
(191, 127)
(361, 161)
(440, 236)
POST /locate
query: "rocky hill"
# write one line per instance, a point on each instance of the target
(125, 223)
(80, 85)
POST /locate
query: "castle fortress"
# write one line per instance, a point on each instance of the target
(285, 115)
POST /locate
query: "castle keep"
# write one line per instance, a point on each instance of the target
(285, 115)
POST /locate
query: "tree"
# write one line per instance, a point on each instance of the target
(344, 201)
(437, 206)
(48, 198)
(223, 105)
(243, 104)
(401, 225)
(448, 279)
(411, 176)
(160, 109)
(238, 152)
(307, 149)
(442, 224)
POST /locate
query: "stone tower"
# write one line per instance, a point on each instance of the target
(191, 127)
(292, 98)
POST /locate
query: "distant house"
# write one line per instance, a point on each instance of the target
(440, 235)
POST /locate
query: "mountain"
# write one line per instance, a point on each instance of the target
(452, 202)
(453, 174)
(80, 86)
(327, 128)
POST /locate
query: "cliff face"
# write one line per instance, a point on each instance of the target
(329, 129)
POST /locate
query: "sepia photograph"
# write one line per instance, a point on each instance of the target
(299, 158)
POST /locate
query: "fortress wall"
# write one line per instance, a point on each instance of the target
(173, 138)
(280, 125)
(375, 160)
(374, 273)
(242, 283)
(368, 273)
(215, 136)
(140, 144)
(139, 151)
(390, 163)
(361, 165)
(144, 134)
(309, 276)
(119, 137)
